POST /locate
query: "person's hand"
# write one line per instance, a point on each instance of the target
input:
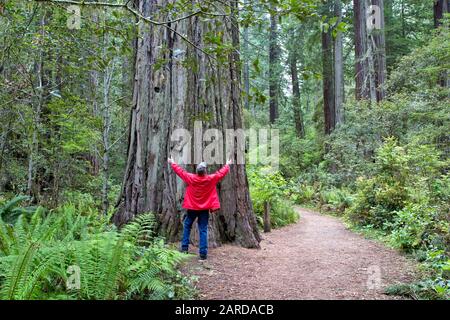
(229, 161)
(170, 160)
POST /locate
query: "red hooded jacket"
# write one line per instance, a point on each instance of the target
(201, 193)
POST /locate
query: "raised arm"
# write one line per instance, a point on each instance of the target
(222, 172)
(183, 174)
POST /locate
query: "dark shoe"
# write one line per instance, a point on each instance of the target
(203, 257)
(186, 251)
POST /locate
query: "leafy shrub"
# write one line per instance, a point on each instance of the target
(408, 198)
(414, 226)
(282, 214)
(400, 177)
(438, 262)
(302, 193)
(298, 154)
(271, 187)
(81, 201)
(336, 200)
(435, 286)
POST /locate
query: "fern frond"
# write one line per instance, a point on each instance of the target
(17, 274)
(141, 230)
(6, 211)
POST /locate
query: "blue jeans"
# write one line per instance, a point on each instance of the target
(202, 220)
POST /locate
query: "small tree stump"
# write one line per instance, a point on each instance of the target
(267, 226)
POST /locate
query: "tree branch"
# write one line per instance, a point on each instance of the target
(140, 16)
(121, 5)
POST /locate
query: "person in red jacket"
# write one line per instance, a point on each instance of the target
(200, 198)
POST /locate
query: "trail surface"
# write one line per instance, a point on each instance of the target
(316, 258)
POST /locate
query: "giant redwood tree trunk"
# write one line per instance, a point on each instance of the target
(296, 103)
(338, 52)
(363, 78)
(246, 69)
(175, 84)
(378, 41)
(370, 52)
(328, 82)
(273, 68)
(332, 65)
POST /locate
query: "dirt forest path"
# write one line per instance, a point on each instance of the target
(316, 258)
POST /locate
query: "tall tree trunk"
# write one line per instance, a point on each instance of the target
(94, 85)
(361, 66)
(273, 68)
(37, 106)
(108, 73)
(246, 69)
(403, 17)
(107, 122)
(187, 86)
(296, 103)
(440, 8)
(379, 49)
(338, 67)
(328, 82)
(333, 69)
(370, 66)
(389, 22)
(57, 85)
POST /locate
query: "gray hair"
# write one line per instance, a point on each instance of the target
(201, 168)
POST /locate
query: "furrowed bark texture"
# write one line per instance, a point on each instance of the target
(328, 83)
(338, 52)
(378, 40)
(273, 69)
(332, 66)
(370, 51)
(174, 85)
(296, 104)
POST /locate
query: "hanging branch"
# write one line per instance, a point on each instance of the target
(139, 15)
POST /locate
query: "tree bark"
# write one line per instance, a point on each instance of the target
(370, 53)
(440, 8)
(94, 81)
(338, 67)
(298, 118)
(273, 69)
(107, 122)
(389, 20)
(328, 82)
(267, 226)
(174, 83)
(37, 106)
(379, 44)
(246, 70)
(361, 67)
